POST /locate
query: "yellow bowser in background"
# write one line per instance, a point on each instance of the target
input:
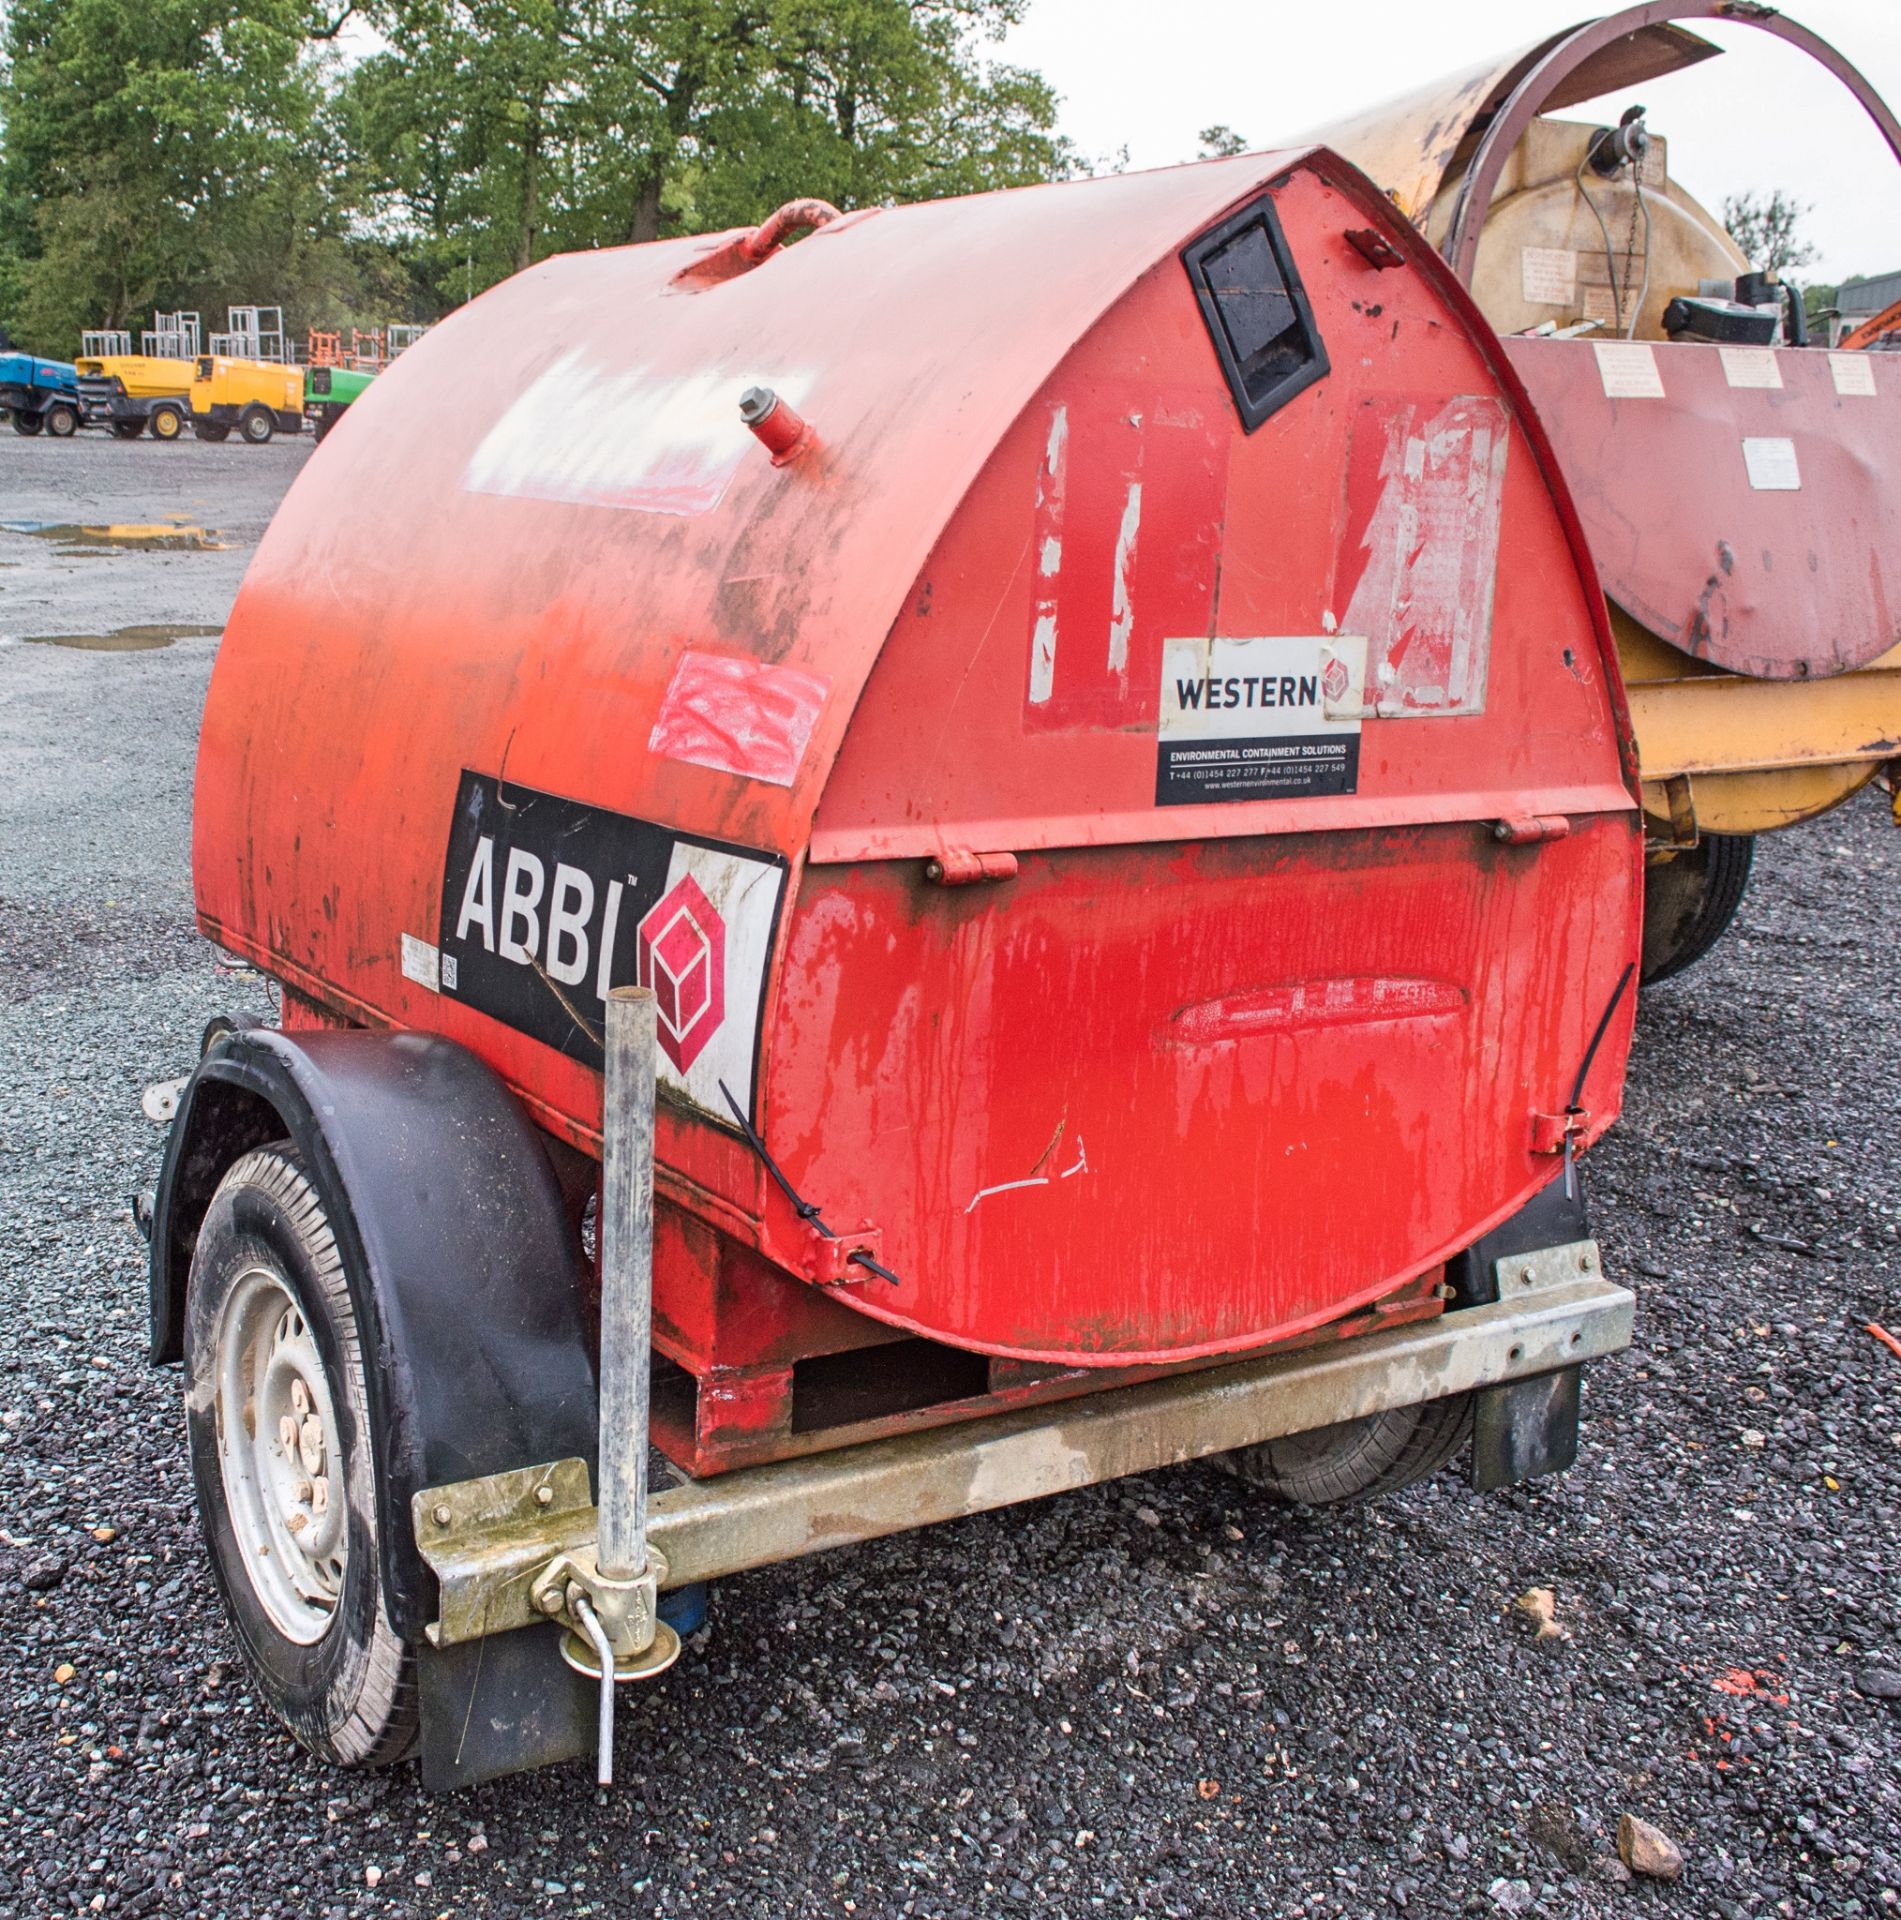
(1739, 484)
(260, 398)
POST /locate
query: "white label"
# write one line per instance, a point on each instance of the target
(1628, 370)
(702, 1044)
(1600, 305)
(1853, 372)
(1751, 366)
(422, 963)
(1259, 719)
(1549, 275)
(1771, 465)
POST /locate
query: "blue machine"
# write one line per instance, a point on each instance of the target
(39, 394)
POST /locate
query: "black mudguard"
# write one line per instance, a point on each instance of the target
(1528, 1427)
(467, 1274)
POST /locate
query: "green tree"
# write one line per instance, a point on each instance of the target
(169, 153)
(493, 132)
(1767, 228)
(1220, 142)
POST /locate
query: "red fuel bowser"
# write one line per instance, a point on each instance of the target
(1006, 834)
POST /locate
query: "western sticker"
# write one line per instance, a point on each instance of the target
(1750, 366)
(1772, 466)
(1852, 372)
(1548, 276)
(1272, 718)
(1628, 370)
(547, 904)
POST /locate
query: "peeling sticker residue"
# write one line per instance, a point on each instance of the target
(1302, 1005)
(1424, 599)
(422, 962)
(1123, 611)
(1079, 1165)
(1007, 1186)
(624, 437)
(1052, 479)
(739, 716)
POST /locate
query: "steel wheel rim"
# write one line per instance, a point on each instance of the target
(278, 1450)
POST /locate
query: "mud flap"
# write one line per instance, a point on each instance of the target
(1525, 1428)
(495, 1706)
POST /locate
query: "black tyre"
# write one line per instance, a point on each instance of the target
(26, 423)
(1690, 899)
(167, 423)
(1357, 1459)
(284, 1456)
(62, 422)
(127, 429)
(324, 420)
(257, 425)
(213, 430)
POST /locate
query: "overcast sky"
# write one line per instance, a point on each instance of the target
(1150, 74)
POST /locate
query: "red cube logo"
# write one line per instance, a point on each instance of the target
(682, 957)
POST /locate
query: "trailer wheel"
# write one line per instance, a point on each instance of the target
(1690, 899)
(257, 424)
(283, 1455)
(62, 422)
(1357, 1459)
(127, 429)
(26, 423)
(211, 430)
(167, 423)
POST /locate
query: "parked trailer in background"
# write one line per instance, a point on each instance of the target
(1740, 485)
(1075, 735)
(39, 395)
(260, 400)
(147, 391)
(328, 393)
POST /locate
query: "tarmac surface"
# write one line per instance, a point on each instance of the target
(1160, 1697)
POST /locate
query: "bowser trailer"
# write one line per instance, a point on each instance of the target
(1739, 483)
(991, 850)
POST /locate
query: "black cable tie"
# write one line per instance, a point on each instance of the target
(807, 1210)
(1597, 1039)
(863, 1259)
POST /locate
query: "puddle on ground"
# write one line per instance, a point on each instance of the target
(121, 639)
(157, 536)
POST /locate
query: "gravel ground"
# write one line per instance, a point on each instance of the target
(1150, 1698)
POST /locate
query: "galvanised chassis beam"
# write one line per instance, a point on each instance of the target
(486, 1540)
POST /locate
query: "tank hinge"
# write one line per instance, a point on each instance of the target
(1374, 248)
(955, 868)
(1527, 829)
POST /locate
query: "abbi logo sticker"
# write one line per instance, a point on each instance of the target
(682, 957)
